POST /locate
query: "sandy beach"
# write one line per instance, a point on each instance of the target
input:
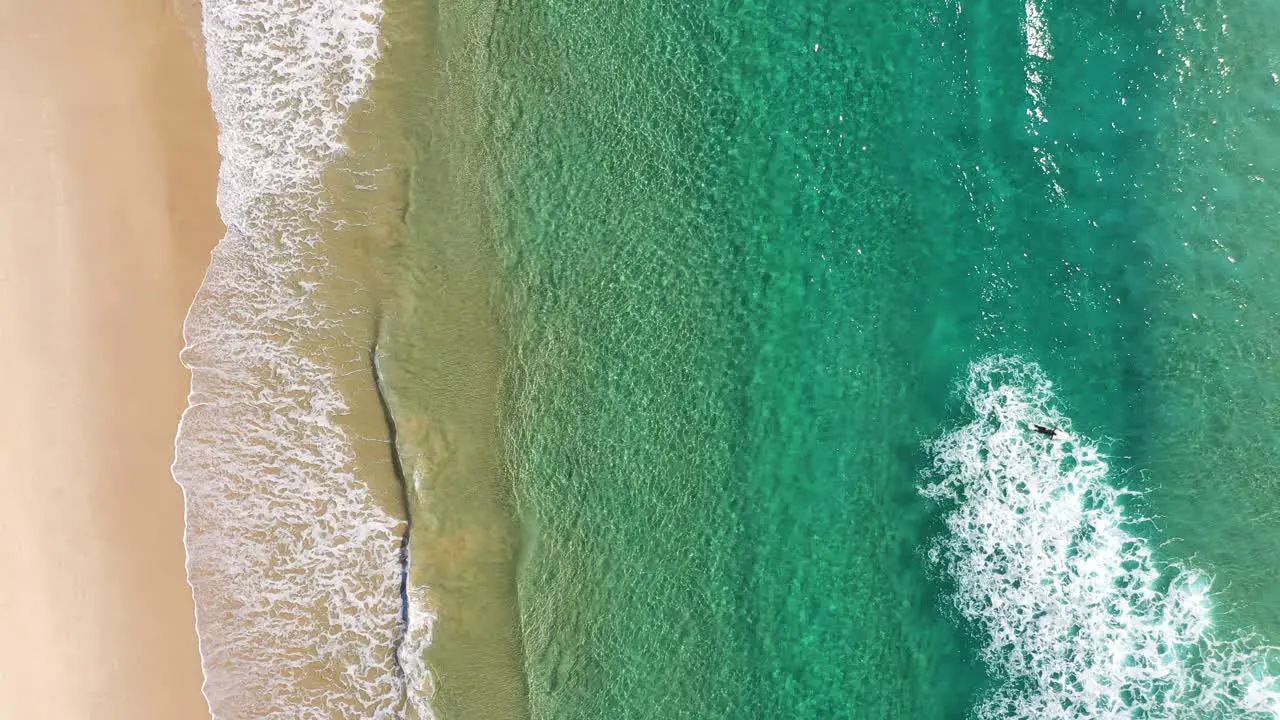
(107, 217)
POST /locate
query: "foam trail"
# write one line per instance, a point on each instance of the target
(295, 568)
(1035, 28)
(1078, 618)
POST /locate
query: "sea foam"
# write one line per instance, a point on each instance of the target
(1078, 618)
(295, 568)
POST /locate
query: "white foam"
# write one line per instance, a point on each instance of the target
(1037, 31)
(1078, 617)
(295, 568)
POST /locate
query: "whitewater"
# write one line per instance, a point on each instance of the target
(297, 569)
(1077, 615)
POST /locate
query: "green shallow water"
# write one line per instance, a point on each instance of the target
(748, 248)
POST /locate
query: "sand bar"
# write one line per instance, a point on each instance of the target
(107, 217)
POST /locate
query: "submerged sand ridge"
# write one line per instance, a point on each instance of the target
(442, 359)
(107, 216)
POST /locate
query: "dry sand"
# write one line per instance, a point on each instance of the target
(106, 220)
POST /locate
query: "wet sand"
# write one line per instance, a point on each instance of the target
(107, 217)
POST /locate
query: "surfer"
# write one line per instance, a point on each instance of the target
(1054, 433)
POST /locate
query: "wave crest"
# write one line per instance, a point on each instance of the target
(1078, 618)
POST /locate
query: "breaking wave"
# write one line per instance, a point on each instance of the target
(1077, 616)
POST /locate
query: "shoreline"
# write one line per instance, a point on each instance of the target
(108, 232)
(293, 545)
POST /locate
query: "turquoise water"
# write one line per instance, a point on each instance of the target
(750, 249)
(575, 359)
